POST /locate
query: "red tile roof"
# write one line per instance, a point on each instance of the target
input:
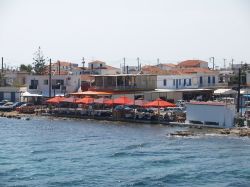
(177, 71)
(191, 63)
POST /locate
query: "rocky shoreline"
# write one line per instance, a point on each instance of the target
(16, 115)
(197, 131)
(192, 130)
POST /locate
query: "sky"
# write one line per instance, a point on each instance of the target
(109, 30)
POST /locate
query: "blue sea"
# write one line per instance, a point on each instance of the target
(56, 152)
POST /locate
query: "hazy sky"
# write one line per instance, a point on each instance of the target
(108, 30)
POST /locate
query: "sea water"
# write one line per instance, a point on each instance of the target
(57, 152)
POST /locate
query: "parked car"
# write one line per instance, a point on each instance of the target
(9, 106)
(175, 109)
(27, 108)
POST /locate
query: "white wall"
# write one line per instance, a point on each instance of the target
(72, 83)
(224, 115)
(195, 81)
(96, 65)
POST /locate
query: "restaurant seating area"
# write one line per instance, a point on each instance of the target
(116, 109)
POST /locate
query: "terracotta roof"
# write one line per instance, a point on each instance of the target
(63, 63)
(169, 65)
(191, 63)
(154, 70)
(177, 71)
(86, 77)
(111, 67)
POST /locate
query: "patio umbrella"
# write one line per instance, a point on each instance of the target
(55, 100)
(102, 100)
(159, 103)
(85, 100)
(123, 100)
(68, 100)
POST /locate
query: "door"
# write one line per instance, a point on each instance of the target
(1, 96)
(12, 96)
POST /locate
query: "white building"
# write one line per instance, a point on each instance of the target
(168, 66)
(211, 113)
(12, 94)
(101, 68)
(198, 80)
(60, 84)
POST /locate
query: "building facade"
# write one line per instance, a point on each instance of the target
(60, 84)
(199, 80)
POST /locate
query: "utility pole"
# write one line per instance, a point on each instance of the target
(50, 77)
(224, 63)
(2, 64)
(124, 65)
(212, 61)
(59, 64)
(238, 97)
(138, 62)
(232, 63)
(83, 62)
(158, 61)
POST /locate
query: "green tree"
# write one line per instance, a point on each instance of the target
(39, 65)
(28, 68)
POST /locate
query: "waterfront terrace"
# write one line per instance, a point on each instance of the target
(124, 82)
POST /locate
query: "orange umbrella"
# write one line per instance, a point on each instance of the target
(55, 100)
(85, 100)
(102, 100)
(68, 100)
(123, 100)
(159, 103)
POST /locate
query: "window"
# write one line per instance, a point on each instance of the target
(201, 80)
(61, 82)
(190, 82)
(164, 82)
(174, 82)
(46, 82)
(208, 80)
(179, 81)
(33, 84)
(213, 79)
(100, 65)
(184, 83)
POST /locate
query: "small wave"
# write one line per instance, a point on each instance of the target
(120, 154)
(135, 146)
(42, 151)
(39, 159)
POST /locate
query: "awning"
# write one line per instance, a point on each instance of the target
(224, 92)
(27, 94)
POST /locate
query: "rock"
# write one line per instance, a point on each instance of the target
(27, 119)
(225, 131)
(182, 133)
